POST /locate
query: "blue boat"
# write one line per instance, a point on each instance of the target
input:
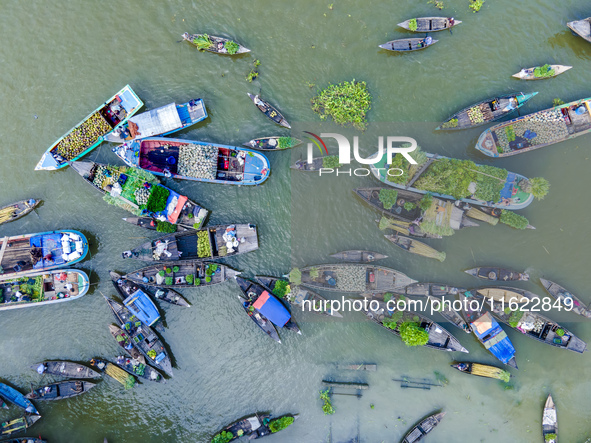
(160, 121)
(13, 396)
(196, 160)
(30, 254)
(494, 338)
(89, 133)
(142, 306)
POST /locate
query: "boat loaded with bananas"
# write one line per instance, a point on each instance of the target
(359, 256)
(255, 426)
(89, 133)
(549, 421)
(11, 395)
(423, 428)
(482, 370)
(195, 160)
(272, 143)
(115, 372)
(32, 254)
(464, 180)
(566, 298)
(497, 274)
(295, 295)
(65, 369)
(141, 193)
(353, 278)
(429, 24)
(211, 43)
(43, 288)
(486, 111)
(17, 210)
(18, 425)
(581, 28)
(414, 329)
(414, 246)
(160, 121)
(533, 131)
(205, 244)
(269, 110)
(127, 288)
(61, 390)
(541, 72)
(408, 44)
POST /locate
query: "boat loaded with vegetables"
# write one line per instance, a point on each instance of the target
(566, 298)
(127, 288)
(115, 372)
(541, 72)
(482, 370)
(486, 111)
(89, 133)
(211, 43)
(464, 180)
(17, 210)
(160, 121)
(31, 254)
(269, 110)
(140, 193)
(255, 426)
(43, 288)
(550, 421)
(533, 131)
(272, 143)
(429, 24)
(195, 160)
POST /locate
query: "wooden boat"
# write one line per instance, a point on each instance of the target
(264, 302)
(61, 390)
(218, 44)
(358, 367)
(549, 422)
(123, 186)
(151, 224)
(160, 121)
(14, 211)
(352, 278)
(195, 160)
(144, 338)
(31, 254)
(89, 133)
(260, 320)
(414, 246)
(204, 244)
(191, 273)
(505, 295)
(11, 395)
(482, 370)
(358, 256)
(24, 440)
(127, 288)
(124, 341)
(566, 298)
(65, 369)
(43, 288)
(384, 315)
(18, 425)
(255, 426)
(512, 196)
(297, 295)
(315, 165)
(423, 428)
(536, 130)
(275, 143)
(115, 372)
(581, 28)
(138, 368)
(429, 24)
(532, 74)
(486, 111)
(138, 303)
(269, 110)
(497, 274)
(407, 44)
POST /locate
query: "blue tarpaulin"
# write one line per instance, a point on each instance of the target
(142, 307)
(507, 191)
(272, 308)
(493, 337)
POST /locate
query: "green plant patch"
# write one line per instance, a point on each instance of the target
(346, 103)
(280, 423)
(203, 42)
(412, 334)
(281, 288)
(412, 24)
(157, 200)
(514, 220)
(203, 244)
(295, 276)
(231, 47)
(544, 71)
(286, 142)
(327, 407)
(515, 317)
(168, 281)
(175, 269)
(190, 279)
(331, 162)
(163, 226)
(222, 437)
(388, 197)
(475, 5)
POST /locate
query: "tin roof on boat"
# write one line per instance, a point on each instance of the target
(272, 308)
(158, 121)
(142, 307)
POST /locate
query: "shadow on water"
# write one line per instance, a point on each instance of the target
(570, 40)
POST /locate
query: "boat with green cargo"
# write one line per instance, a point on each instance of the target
(541, 72)
(218, 45)
(429, 24)
(18, 425)
(253, 427)
(275, 143)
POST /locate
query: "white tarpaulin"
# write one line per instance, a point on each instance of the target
(158, 121)
(549, 417)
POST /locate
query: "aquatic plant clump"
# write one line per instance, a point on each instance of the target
(327, 407)
(83, 137)
(346, 103)
(280, 423)
(475, 5)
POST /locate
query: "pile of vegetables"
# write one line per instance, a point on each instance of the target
(203, 244)
(544, 71)
(412, 24)
(126, 379)
(157, 200)
(475, 115)
(286, 142)
(203, 42)
(510, 132)
(281, 288)
(412, 334)
(347, 103)
(452, 123)
(231, 47)
(222, 437)
(295, 276)
(83, 137)
(514, 220)
(388, 197)
(280, 423)
(142, 195)
(330, 162)
(165, 227)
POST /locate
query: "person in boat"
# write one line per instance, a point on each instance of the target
(462, 367)
(260, 103)
(428, 40)
(36, 254)
(450, 22)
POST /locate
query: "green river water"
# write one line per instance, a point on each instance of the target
(61, 59)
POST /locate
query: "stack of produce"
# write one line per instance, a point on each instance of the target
(203, 245)
(141, 196)
(198, 161)
(350, 278)
(541, 128)
(83, 136)
(475, 115)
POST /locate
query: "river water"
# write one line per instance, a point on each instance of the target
(61, 59)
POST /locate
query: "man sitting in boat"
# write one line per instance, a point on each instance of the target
(260, 103)
(450, 22)
(428, 40)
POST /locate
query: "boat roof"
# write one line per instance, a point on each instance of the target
(158, 121)
(142, 307)
(496, 341)
(272, 308)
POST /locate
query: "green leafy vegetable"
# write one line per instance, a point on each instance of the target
(388, 197)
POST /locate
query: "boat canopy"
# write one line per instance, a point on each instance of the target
(142, 307)
(158, 121)
(272, 308)
(493, 337)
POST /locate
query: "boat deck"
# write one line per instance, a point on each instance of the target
(490, 111)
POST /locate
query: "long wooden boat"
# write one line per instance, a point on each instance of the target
(30, 254)
(358, 256)
(407, 44)
(254, 426)
(297, 295)
(566, 298)
(497, 274)
(548, 72)
(151, 224)
(275, 143)
(549, 422)
(190, 274)
(89, 133)
(144, 338)
(125, 341)
(581, 28)
(115, 372)
(11, 395)
(264, 302)
(414, 246)
(486, 111)
(303, 165)
(138, 303)
(512, 196)
(65, 369)
(160, 121)
(269, 110)
(127, 288)
(18, 425)
(439, 337)
(423, 428)
(130, 189)
(61, 390)
(218, 44)
(14, 211)
(352, 278)
(43, 288)
(534, 131)
(482, 370)
(429, 24)
(24, 440)
(195, 160)
(504, 295)
(259, 319)
(207, 243)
